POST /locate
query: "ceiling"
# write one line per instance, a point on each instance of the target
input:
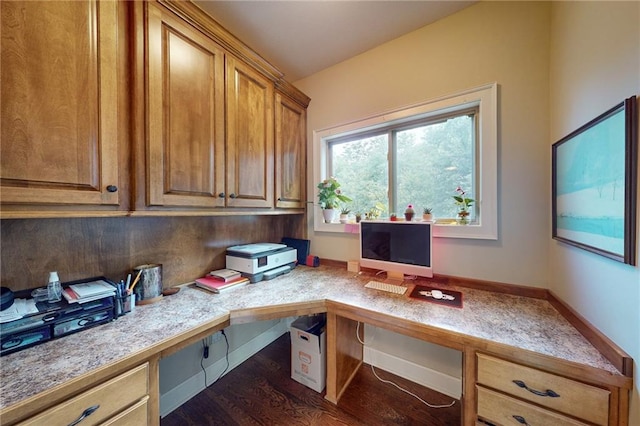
(301, 38)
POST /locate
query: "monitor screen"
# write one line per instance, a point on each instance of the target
(396, 246)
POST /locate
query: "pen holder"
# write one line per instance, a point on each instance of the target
(125, 304)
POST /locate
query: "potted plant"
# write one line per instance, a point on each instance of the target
(464, 203)
(329, 195)
(393, 217)
(409, 212)
(344, 214)
(426, 214)
(358, 217)
(375, 211)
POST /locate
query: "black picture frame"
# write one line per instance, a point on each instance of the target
(594, 184)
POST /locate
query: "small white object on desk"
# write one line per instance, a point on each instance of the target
(437, 294)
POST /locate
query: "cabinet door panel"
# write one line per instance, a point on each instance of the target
(186, 115)
(290, 153)
(59, 102)
(249, 137)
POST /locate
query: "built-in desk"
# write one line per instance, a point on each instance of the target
(491, 329)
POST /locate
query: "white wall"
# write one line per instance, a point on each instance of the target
(558, 65)
(595, 64)
(491, 41)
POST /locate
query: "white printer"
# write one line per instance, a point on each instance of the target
(261, 261)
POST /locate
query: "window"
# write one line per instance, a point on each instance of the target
(419, 155)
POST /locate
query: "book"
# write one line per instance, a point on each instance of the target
(216, 286)
(225, 275)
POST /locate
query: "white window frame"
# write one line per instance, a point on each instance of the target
(486, 99)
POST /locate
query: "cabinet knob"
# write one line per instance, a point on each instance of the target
(232, 196)
(112, 188)
(86, 413)
(221, 195)
(550, 393)
(521, 420)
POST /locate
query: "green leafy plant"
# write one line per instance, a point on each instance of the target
(345, 210)
(330, 195)
(427, 210)
(375, 211)
(464, 203)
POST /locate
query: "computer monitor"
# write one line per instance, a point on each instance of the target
(402, 247)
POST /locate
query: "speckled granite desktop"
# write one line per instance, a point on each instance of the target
(521, 322)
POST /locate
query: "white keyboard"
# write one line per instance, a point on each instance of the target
(391, 288)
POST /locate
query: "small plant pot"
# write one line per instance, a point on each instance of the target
(408, 217)
(328, 215)
(427, 217)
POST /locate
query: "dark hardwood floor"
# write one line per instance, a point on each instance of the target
(261, 392)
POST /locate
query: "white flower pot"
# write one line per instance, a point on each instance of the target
(427, 217)
(344, 218)
(328, 215)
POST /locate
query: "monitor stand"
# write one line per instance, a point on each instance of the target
(395, 275)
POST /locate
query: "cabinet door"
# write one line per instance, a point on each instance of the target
(249, 137)
(185, 114)
(291, 144)
(59, 103)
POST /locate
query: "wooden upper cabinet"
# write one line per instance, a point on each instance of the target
(250, 150)
(59, 103)
(185, 114)
(290, 150)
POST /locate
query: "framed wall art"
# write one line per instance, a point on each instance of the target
(594, 184)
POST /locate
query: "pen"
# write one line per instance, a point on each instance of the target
(135, 282)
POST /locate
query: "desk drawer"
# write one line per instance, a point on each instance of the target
(503, 410)
(112, 397)
(577, 399)
(136, 415)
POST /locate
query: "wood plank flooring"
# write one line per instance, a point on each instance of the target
(261, 392)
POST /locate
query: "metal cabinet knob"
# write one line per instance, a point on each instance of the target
(112, 188)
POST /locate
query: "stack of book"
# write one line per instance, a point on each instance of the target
(87, 292)
(222, 280)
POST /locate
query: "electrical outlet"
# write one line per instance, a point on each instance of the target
(216, 337)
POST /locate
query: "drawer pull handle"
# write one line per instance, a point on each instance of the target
(548, 392)
(86, 413)
(521, 420)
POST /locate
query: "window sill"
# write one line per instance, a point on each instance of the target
(440, 230)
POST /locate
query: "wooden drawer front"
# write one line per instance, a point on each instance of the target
(136, 415)
(503, 410)
(576, 399)
(112, 396)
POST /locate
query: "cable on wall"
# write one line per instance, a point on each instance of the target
(373, 370)
(226, 358)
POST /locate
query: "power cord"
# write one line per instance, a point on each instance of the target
(205, 348)
(373, 370)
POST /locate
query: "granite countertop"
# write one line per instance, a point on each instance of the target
(517, 321)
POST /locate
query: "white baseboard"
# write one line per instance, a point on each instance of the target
(180, 394)
(448, 385)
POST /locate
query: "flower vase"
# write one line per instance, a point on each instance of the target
(463, 218)
(328, 215)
